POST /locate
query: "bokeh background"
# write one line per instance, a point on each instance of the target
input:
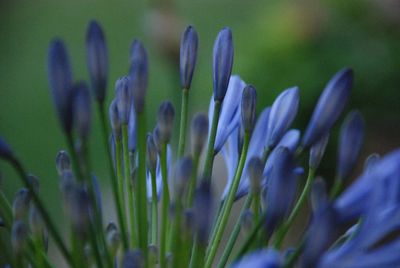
(278, 44)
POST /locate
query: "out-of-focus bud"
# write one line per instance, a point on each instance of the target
(60, 80)
(319, 195)
(329, 107)
(249, 98)
(63, 162)
(188, 56)
(81, 106)
(113, 238)
(350, 142)
(132, 130)
(283, 112)
(34, 181)
(36, 222)
(21, 204)
(133, 259)
(222, 63)
(5, 150)
(157, 138)
(115, 120)
(97, 60)
(247, 220)
(203, 211)
(123, 96)
(198, 133)
(317, 151)
(79, 207)
(165, 120)
(255, 170)
(152, 153)
(183, 173)
(19, 235)
(138, 75)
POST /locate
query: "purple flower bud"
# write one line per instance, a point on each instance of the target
(317, 151)
(123, 98)
(350, 142)
(138, 74)
(79, 210)
(165, 120)
(132, 130)
(222, 63)
(248, 105)
(133, 259)
(19, 236)
(152, 153)
(255, 171)
(203, 211)
(63, 162)
(5, 150)
(115, 120)
(60, 80)
(319, 195)
(34, 181)
(283, 112)
(82, 109)
(97, 60)
(20, 206)
(36, 223)
(182, 174)
(330, 105)
(199, 132)
(188, 56)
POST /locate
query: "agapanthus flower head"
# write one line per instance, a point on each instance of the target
(115, 119)
(281, 189)
(19, 236)
(198, 133)
(20, 206)
(123, 96)
(5, 150)
(188, 56)
(97, 59)
(283, 112)
(152, 153)
(222, 63)
(265, 258)
(138, 74)
(329, 107)
(60, 80)
(317, 151)
(81, 108)
(63, 162)
(165, 120)
(248, 106)
(350, 142)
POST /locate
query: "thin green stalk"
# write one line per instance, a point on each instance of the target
(208, 166)
(113, 178)
(193, 181)
(129, 188)
(198, 254)
(282, 231)
(182, 130)
(229, 202)
(176, 237)
(164, 206)
(120, 175)
(337, 188)
(217, 222)
(154, 208)
(94, 246)
(235, 233)
(141, 190)
(74, 158)
(6, 210)
(77, 250)
(43, 212)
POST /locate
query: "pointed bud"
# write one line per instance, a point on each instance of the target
(97, 60)
(63, 162)
(329, 107)
(138, 75)
(188, 56)
(350, 142)
(255, 170)
(19, 236)
(21, 204)
(283, 112)
(165, 120)
(133, 259)
(317, 151)
(249, 97)
(115, 120)
(222, 63)
(152, 153)
(60, 80)
(113, 238)
(5, 150)
(123, 97)
(82, 109)
(183, 173)
(199, 133)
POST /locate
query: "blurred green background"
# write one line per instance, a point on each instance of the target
(278, 44)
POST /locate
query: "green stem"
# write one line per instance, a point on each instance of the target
(128, 187)
(216, 222)
(234, 235)
(282, 231)
(337, 188)
(113, 178)
(141, 190)
(176, 237)
(198, 254)
(211, 142)
(154, 209)
(43, 212)
(164, 206)
(193, 181)
(229, 203)
(184, 115)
